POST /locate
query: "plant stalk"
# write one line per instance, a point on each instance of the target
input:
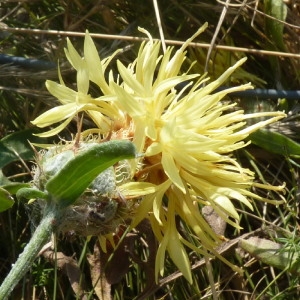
(25, 260)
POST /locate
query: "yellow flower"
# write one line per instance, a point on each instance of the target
(88, 68)
(187, 138)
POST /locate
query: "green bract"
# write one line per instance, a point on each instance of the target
(65, 173)
(82, 180)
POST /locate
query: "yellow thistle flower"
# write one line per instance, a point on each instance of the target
(187, 137)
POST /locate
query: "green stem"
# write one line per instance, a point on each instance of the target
(24, 262)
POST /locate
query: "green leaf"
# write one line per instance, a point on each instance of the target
(275, 142)
(10, 186)
(16, 146)
(13, 187)
(6, 200)
(78, 173)
(3, 179)
(271, 253)
(274, 28)
(30, 193)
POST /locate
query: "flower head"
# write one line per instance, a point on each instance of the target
(187, 138)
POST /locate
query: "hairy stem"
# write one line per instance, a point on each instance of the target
(25, 260)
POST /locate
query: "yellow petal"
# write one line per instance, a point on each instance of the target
(83, 80)
(133, 107)
(55, 114)
(131, 81)
(157, 201)
(146, 64)
(192, 216)
(174, 246)
(137, 189)
(172, 170)
(160, 259)
(55, 130)
(225, 204)
(179, 255)
(215, 84)
(166, 85)
(64, 94)
(143, 210)
(73, 56)
(153, 149)
(234, 194)
(162, 75)
(94, 64)
(249, 129)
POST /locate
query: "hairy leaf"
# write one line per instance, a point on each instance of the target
(71, 181)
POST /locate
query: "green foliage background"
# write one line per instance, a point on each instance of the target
(270, 25)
